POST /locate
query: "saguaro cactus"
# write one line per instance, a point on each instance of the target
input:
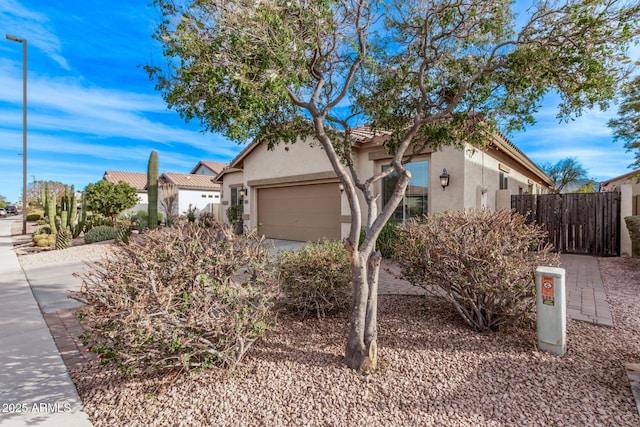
(152, 189)
(51, 213)
(79, 228)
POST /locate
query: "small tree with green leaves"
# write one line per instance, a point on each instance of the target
(427, 73)
(564, 173)
(626, 127)
(109, 199)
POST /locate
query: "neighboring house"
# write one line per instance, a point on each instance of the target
(134, 179)
(632, 178)
(208, 168)
(189, 190)
(293, 193)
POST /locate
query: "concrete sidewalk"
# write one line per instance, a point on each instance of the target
(35, 387)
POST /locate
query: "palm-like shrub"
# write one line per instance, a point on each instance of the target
(484, 262)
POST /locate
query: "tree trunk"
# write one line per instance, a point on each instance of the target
(361, 353)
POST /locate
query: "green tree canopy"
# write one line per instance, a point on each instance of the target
(588, 187)
(427, 73)
(626, 127)
(110, 199)
(564, 172)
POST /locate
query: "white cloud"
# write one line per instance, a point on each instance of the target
(24, 23)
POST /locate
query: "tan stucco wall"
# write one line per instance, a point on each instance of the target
(300, 162)
(470, 172)
(452, 197)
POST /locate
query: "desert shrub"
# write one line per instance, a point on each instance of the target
(97, 220)
(140, 220)
(633, 225)
(34, 217)
(207, 220)
(182, 297)
(315, 278)
(41, 222)
(45, 229)
(483, 262)
(100, 234)
(190, 213)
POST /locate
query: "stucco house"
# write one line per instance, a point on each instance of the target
(293, 193)
(134, 179)
(189, 190)
(632, 179)
(205, 167)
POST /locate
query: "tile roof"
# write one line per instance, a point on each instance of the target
(185, 180)
(135, 179)
(216, 167)
(365, 133)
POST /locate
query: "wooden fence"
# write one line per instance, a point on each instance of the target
(586, 223)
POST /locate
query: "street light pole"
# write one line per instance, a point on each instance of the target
(24, 129)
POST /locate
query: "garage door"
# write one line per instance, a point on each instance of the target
(302, 212)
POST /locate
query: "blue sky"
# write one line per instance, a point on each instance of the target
(92, 108)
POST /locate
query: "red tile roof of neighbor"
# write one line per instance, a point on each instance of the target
(183, 180)
(216, 167)
(134, 179)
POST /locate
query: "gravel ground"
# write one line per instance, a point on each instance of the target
(434, 371)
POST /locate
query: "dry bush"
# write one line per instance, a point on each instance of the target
(183, 297)
(483, 261)
(315, 278)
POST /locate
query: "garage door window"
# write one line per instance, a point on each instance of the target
(415, 200)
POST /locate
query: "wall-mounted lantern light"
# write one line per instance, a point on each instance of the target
(243, 192)
(444, 179)
(341, 187)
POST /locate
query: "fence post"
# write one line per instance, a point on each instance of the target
(626, 209)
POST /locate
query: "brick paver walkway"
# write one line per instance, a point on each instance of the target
(586, 297)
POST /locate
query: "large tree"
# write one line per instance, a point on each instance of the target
(564, 172)
(426, 73)
(110, 199)
(626, 127)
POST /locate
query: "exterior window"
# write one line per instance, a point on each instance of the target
(236, 197)
(415, 200)
(530, 189)
(504, 181)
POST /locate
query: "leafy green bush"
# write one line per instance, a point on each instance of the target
(633, 225)
(482, 260)
(100, 234)
(315, 278)
(183, 297)
(34, 217)
(386, 239)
